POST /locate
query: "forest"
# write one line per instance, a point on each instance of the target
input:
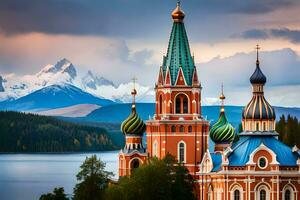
(289, 130)
(22, 132)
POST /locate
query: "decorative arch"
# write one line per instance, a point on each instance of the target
(210, 193)
(135, 163)
(181, 152)
(288, 192)
(262, 192)
(236, 192)
(263, 147)
(182, 103)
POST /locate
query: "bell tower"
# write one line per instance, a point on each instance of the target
(177, 126)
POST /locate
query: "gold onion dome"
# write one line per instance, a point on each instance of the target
(222, 131)
(178, 14)
(133, 125)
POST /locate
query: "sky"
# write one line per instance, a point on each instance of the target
(119, 39)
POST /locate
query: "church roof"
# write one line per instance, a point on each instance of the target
(247, 144)
(178, 55)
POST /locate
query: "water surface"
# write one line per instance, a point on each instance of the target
(27, 176)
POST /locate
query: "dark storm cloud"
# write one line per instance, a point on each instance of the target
(283, 33)
(291, 35)
(255, 34)
(113, 17)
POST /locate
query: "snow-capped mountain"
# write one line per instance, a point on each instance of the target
(64, 72)
(53, 97)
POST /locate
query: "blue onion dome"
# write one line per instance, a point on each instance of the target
(222, 131)
(133, 125)
(258, 77)
(258, 108)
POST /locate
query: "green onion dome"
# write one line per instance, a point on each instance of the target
(133, 125)
(222, 131)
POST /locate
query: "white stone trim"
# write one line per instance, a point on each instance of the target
(262, 147)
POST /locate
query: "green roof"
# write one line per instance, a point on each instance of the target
(179, 55)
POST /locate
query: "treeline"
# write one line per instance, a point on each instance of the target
(20, 132)
(157, 180)
(289, 130)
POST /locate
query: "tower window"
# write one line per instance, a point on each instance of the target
(181, 129)
(182, 104)
(190, 129)
(160, 104)
(236, 195)
(264, 126)
(181, 152)
(262, 162)
(173, 129)
(257, 126)
(155, 149)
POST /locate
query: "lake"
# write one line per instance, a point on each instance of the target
(27, 176)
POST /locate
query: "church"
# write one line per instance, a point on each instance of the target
(225, 165)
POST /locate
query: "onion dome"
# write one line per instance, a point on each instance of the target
(222, 131)
(133, 125)
(178, 14)
(258, 77)
(258, 108)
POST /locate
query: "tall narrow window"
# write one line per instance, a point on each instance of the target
(264, 126)
(190, 129)
(160, 104)
(185, 105)
(181, 152)
(173, 129)
(181, 129)
(262, 195)
(236, 195)
(210, 193)
(178, 105)
(257, 126)
(287, 195)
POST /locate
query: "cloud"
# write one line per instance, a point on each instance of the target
(111, 58)
(283, 33)
(115, 17)
(255, 34)
(281, 67)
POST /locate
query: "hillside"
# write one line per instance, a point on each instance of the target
(118, 112)
(22, 132)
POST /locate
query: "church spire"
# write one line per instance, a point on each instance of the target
(178, 54)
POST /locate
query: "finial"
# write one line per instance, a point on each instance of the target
(178, 3)
(133, 92)
(222, 98)
(257, 58)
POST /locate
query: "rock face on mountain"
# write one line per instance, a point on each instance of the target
(92, 81)
(1, 84)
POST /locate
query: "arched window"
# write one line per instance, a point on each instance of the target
(257, 126)
(287, 195)
(181, 152)
(190, 129)
(264, 126)
(181, 104)
(236, 195)
(154, 150)
(134, 164)
(181, 129)
(262, 195)
(160, 104)
(173, 129)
